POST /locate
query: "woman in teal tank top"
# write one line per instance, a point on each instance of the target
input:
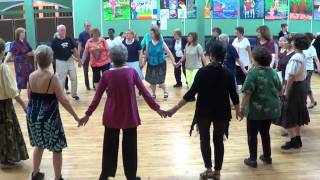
(157, 66)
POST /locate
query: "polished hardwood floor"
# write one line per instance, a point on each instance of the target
(166, 152)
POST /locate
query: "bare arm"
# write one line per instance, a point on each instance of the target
(316, 60)
(9, 55)
(141, 59)
(57, 89)
(84, 56)
(165, 47)
(273, 60)
(76, 54)
(21, 102)
(204, 60)
(241, 66)
(250, 54)
(289, 84)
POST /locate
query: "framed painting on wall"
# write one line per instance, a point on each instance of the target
(176, 8)
(208, 9)
(116, 9)
(251, 9)
(301, 9)
(225, 9)
(144, 9)
(276, 9)
(316, 10)
(191, 9)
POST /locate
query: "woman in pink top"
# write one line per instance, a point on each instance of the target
(99, 59)
(120, 112)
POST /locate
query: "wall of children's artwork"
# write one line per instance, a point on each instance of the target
(251, 9)
(316, 10)
(144, 9)
(139, 14)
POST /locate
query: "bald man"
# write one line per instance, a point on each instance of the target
(63, 48)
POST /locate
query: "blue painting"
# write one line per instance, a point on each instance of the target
(251, 9)
(225, 9)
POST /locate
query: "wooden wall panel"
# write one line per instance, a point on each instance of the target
(6, 30)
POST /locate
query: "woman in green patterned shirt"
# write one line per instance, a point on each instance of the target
(260, 104)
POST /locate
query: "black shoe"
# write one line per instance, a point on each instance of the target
(76, 98)
(293, 144)
(67, 92)
(138, 178)
(88, 88)
(177, 86)
(265, 160)
(250, 163)
(38, 176)
(313, 105)
(299, 141)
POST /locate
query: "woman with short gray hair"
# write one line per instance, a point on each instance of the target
(120, 112)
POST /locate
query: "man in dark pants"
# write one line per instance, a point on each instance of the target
(83, 38)
(179, 44)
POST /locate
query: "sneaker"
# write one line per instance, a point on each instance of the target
(177, 85)
(76, 97)
(250, 163)
(38, 176)
(165, 95)
(265, 160)
(154, 97)
(67, 92)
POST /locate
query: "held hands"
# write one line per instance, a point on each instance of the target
(83, 121)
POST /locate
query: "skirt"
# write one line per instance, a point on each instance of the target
(12, 145)
(294, 110)
(44, 123)
(136, 65)
(24, 66)
(156, 74)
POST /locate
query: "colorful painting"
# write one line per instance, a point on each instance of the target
(316, 10)
(301, 9)
(177, 8)
(144, 9)
(116, 9)
(191, 9)
(208, 9)
(251, 9)
(225, 9)
(276, 9)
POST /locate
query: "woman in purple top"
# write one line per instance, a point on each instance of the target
(23, 58)
(120, 112)
(264, 39)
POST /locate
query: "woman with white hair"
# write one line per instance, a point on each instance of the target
(120, 112)
(232, 57)
(43, 117)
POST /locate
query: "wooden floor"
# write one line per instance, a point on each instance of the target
(166, 152)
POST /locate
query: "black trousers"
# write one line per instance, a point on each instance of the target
(54, 70)
(263, 127)
(110, 153)
(177, 71)
(86, 69)
(219, 129)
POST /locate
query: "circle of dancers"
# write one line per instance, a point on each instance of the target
(272, 78)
